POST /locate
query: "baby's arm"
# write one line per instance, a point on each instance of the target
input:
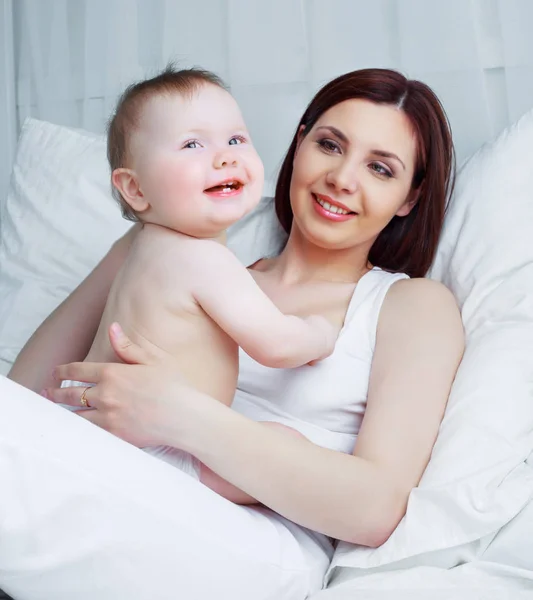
(230, 296)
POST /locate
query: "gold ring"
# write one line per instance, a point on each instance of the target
(83, 400)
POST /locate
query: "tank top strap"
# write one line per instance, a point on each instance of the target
(365, 306)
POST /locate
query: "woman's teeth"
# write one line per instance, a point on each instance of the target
(331, 208)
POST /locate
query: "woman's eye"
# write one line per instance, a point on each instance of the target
(379, 169)
(192, 144)
(237, 139)
(329, 145)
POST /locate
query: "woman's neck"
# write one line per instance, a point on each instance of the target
(301, 261)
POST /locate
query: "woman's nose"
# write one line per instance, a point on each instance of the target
(343, 178)
(225, 159)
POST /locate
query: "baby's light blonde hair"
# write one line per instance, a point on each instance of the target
(125, 118)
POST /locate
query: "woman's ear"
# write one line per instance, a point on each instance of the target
(409, 204)
(299, 137)
(127, 183)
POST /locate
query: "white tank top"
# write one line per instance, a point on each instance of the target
(325, 402)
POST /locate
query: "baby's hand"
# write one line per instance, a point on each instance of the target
(327, 331)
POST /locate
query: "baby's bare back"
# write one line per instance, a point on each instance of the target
(152, 300)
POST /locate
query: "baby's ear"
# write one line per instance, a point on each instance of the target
(127, 183)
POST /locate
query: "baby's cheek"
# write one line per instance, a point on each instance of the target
(260, 168)
(173, 178)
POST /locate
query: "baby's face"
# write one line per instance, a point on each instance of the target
(195, 162)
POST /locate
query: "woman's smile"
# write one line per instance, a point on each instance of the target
(329, 209)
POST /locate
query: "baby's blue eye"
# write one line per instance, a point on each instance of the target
(193, 144)
(234, 141)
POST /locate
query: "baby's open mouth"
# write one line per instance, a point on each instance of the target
(227, 186)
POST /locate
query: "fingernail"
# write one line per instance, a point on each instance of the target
(44, 393)
(115, 328)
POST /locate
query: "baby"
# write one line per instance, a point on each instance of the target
(183, 165)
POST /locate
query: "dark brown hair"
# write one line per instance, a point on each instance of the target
(407, 244)
(129, 106)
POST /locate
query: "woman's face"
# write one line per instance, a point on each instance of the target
(352, 174)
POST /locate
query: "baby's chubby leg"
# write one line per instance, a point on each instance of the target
(226, 489)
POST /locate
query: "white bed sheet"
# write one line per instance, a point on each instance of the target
(479, 580)
(502, 571)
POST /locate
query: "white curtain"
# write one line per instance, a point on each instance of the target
(8, 109)
(72, 57)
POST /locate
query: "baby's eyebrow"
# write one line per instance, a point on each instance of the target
(206, 131)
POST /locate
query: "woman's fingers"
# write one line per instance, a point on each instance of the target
(125, 349)
(72, 396)
(79, 371)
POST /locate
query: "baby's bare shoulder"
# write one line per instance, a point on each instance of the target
(170, 259)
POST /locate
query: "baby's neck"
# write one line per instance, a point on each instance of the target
(221, 238)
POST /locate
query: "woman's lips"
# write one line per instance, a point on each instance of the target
(331, 215)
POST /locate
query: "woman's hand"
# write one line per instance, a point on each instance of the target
(143, 402)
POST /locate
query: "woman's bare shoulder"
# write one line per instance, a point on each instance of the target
(409, 296)
(419, 318)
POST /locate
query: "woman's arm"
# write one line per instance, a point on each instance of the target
(67, 334)
(359, 498)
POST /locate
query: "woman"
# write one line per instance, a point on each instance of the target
(361, 194)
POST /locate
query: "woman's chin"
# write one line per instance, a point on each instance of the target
(326, 237)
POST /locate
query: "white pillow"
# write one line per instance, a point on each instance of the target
(477, 479)
(58, 221)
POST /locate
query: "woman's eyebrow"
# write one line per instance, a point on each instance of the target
(336, 132)
(386, 154)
